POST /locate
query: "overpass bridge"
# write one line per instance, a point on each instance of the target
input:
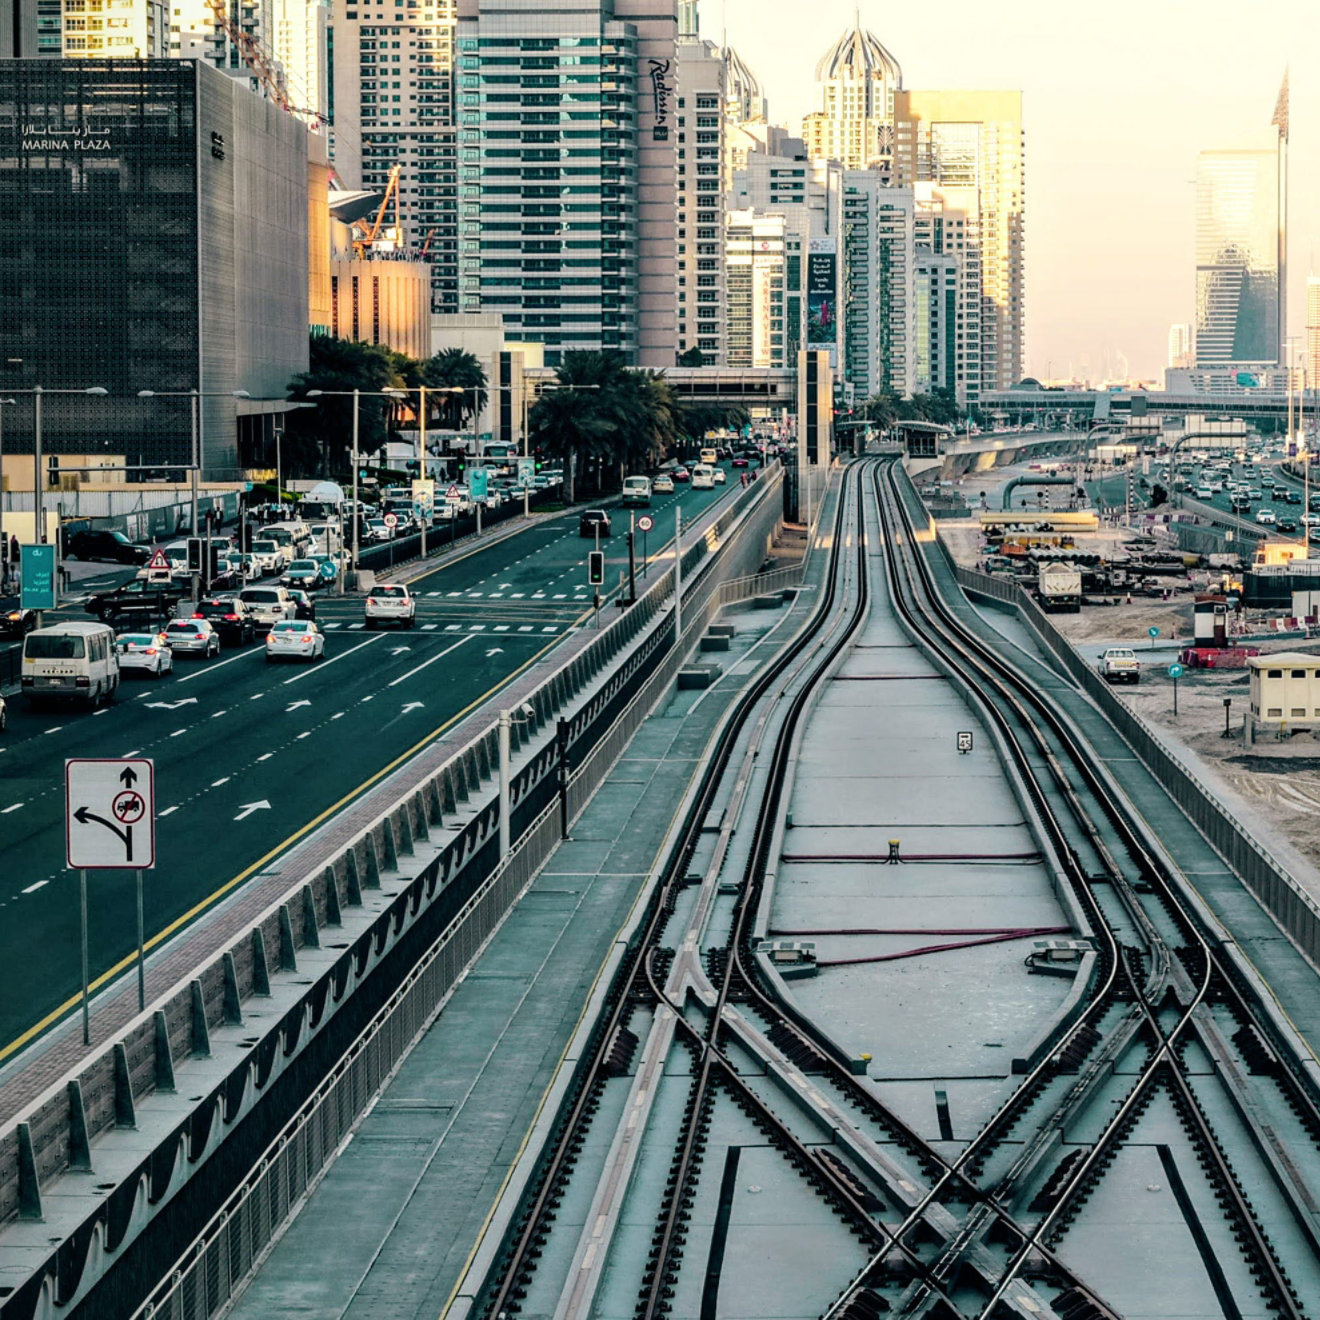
(1023, 405)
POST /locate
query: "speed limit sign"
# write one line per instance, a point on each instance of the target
(391, 520)
(645, 523)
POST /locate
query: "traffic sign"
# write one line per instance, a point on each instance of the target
(158, 562)
(964, 741)
(454, 494)
(109, 813)
(1152, 632)
(391, 520)
(37, 566)
(478, 485)
(526, 470)
(1175, 671)
(645, 523)
(328, 569)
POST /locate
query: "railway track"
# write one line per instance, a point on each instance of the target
(983, 1233)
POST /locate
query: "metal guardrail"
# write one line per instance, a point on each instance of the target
(219, 1261)
(1264, 875)
(761, 584)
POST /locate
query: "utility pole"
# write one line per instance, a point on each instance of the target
(678, 576)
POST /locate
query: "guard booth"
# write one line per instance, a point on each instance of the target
(1285, 694)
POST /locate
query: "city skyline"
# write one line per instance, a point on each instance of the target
(1082, 118)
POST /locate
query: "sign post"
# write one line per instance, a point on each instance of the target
(1175, 673)
(109, 825)
(1152, 633)
(644, 525)
(37, 587)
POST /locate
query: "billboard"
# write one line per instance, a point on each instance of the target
(822, 295)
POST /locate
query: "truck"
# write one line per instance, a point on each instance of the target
(1119, 664)
(1059, 587)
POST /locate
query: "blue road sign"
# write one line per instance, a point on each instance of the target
(477, 483)
(1152, 632)
(1175, 671)
(37, 563)
(328, 570)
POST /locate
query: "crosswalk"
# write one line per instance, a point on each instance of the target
(330, 625)
(509, 595)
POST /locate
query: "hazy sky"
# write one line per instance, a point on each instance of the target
(1117, 101)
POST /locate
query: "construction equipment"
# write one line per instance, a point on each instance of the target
(365, 238)
(264, 69)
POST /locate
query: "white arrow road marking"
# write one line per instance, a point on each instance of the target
(171, 705)
(250, 807)
(417, 669)
(494, 650)
(325, 664)
(399, 650)
(412, 705)
(293, 705)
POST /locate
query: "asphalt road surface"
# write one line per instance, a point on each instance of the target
(249, 756)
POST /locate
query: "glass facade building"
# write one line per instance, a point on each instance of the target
(1237, 258)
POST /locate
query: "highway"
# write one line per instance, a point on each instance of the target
(250, 757)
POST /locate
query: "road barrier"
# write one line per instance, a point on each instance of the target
(1295, 912)
(454, 901)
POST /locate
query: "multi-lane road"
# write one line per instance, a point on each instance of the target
(250, 756)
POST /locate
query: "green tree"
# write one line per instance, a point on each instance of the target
(459, 382)
(318, 437)
(694, 357)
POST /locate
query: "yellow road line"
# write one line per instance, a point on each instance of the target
(37, 1028)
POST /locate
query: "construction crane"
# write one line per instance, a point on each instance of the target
(426, 243)
(366, 237)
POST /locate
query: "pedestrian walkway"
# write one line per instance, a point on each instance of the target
(389, 1229)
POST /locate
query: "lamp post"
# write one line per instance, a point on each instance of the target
(194, 397)
(4, 545)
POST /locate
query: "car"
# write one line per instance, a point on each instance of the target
(681, 474)
(391, 603)
(303, 605)
(4, 715)
(268, 554)
(1310, 519)
(379, 529)
(663, 484)
(269, 605)
(740, 460)
(192, 637)
(1293, 497)
(109, 547)
(249, 568)
(144, 653)
(228, 576)
(1202, 492)
(1287, 524)
(292, 639)
(230, 617)
(594, 522)
(1265, 517)
(15, 620)
(304, 573)
(1119, 664)
(719, 476)
(137, 599)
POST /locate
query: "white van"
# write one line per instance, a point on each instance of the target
(75, 660)
(637, 492)
(703, 477)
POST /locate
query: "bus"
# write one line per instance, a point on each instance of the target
(710, 457)
(637, 492)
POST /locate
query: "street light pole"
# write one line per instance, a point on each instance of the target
(4, 545)
(356, 397)
(192, 482)
(421, 460)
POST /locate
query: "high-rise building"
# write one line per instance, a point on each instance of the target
(1180, 344)
(1313, 332)
(935, 352)
(702, 97)
(942, 229)
(853, 122)
(1237, 258)
(970, 145)
(764, 256)
(91, 29)
(393, 105)
(567, 173)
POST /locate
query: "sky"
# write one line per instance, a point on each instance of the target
(1118, 99)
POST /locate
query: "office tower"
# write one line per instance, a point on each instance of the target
(18, 31)
(853, 122)
(970, 144)
(879, 302)
(702, 95)
(935, 351)
(764, 259)
(195, 34)
(942, 229)
(568, 223)
(1237, 254)
(393, 105)
(1180, 344)
(1313, 332)
(96, 29)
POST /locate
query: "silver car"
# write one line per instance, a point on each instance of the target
(147, 653)
(192, 637)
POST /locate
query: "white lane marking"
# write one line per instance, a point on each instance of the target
(56, 729)
(338, 715)
(438, 656)
(497, 595)
(219, 664)
(452, 627)
(474, 595)
(178, 733)
(7, 810)
(32, 889)
(126, 755)
(546, 630)
(325, 664)
(518, 595)
(501, 627)
(477, 627)
(334, 623)
(301, 736)
(169, 811)
(526, 627)
(95, 713)
(434, 593)
(355, 626)
(453, 593)
(217, 715)
(265, 756)
(371, 696)
(218, 782)
(560, 595)
(256, 696)
(429, 627)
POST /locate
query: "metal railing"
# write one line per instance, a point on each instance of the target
(220, 1260)
(762, 584)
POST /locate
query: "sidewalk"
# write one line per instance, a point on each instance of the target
(389, 1229)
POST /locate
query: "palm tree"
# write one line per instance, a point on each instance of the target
(461, 373)
(568, 424)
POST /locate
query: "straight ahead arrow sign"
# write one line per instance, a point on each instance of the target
(250, 807)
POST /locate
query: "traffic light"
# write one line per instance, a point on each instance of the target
(195, 550)
(596, 568)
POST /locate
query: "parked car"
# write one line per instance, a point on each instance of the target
(14, 619)
(136, 600)
(1119, 664)
(304, 605)
(663, 484)
(391, 604)
(230, 617)
(109, 547)
(593, 522)
(144, 653)
(192, 637)
(295, 640)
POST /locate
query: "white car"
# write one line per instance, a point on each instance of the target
(1266, 517)
(1119, 664)
(269, 556)
(193, 636)
(663, 484)
(295, 639)
(392, 603)
(146, 653)
(719, 476)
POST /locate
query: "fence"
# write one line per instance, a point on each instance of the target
(221, 1258)
(1276, 890)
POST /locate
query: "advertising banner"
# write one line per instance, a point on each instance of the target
(37, 565)
(423, 495)
(822, 295)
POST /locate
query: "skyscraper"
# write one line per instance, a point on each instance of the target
(394, 105)
(853, 122)
(1237, 271)
(567, 219)
(1313, 332)
(970, 144)
(1180, 344)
